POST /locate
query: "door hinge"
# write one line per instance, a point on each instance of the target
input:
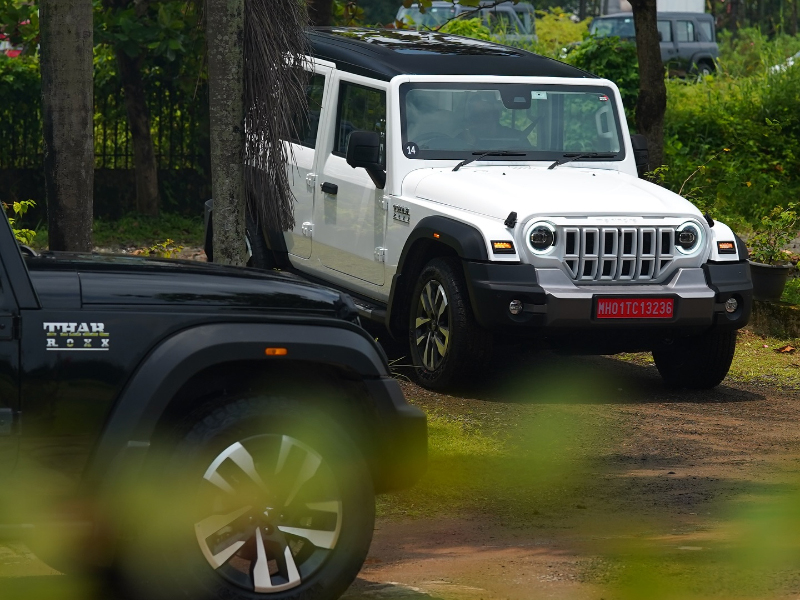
(307, 229)
(385, 203)
(6, 421)
(311, 179)
(380, 254)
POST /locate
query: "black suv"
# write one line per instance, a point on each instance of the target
(688, 40)
(205, 431)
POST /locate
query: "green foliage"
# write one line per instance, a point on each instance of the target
(171, 42)
(557, 32)
(347, 13)
(791, 293)
(20, 101)
(472, 28)
(752, 52)
(165, 249)
(19, 21)
(613, 59)
(24, 236)
(731, 144)
(166, 29)
(773, 234)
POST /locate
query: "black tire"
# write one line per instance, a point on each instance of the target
(267, 499)
(696, 363)
(702, 69)
(447, 346)
(260, 255)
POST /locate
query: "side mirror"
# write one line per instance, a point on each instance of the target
(364, 150)
(640, 153)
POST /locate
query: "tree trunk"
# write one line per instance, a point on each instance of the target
(67, 113)
(224, 35)
(320, 12)
(794, 17)
(144, 154)
(652, 102)
(734, 18)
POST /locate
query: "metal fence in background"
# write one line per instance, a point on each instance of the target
(179, 127)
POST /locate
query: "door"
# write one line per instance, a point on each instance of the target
(667, 41)
(301, 165)
(688, 45)
(350, 220)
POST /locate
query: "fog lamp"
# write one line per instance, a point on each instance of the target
(731, 305)
(515, 307)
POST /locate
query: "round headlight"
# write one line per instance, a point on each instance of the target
(542, 237)
(688, 237)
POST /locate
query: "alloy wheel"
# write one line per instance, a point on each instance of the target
(274, 513)
(432, 325)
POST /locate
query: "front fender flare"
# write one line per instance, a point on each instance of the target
(463, 238)
(133, 420)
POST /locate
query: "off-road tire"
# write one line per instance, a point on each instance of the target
(468, 346)
(697, 363)
(169, 559)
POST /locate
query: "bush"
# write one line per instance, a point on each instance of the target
(472, 28)
(557, 32)
(613, 59)
(730, 144)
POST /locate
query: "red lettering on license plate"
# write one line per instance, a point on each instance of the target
(635, 308)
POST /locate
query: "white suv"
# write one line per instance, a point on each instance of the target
(467, 193)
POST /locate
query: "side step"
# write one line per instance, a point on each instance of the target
(367, 310)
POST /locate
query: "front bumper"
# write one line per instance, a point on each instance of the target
(554, 305)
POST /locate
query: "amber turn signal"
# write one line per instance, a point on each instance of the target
(726, 247)
(503, 247)
(276, 352)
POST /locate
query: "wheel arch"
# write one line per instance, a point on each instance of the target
(701, 58)
(432, 237)
(197, 363)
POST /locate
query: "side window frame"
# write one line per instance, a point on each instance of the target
(668, 23)
(312, 75)
(343, 83)
(690, 35)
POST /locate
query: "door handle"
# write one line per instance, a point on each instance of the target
(330, 188)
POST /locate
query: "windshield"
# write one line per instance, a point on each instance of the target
(620, 27)
(446, 121)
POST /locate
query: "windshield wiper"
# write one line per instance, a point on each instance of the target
(569, 157)
(466, 161)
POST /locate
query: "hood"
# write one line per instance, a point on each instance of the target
(133, 280)
(495, 191)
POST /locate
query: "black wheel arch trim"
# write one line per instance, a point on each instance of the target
(467, 242)
(147, 395)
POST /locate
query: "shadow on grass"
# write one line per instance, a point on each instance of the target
(544, 378)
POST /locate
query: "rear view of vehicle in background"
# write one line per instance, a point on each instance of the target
(688, 40)
(512, 23)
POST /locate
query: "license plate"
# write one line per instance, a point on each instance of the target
(635, 308)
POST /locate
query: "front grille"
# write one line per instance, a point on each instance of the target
(618, 253)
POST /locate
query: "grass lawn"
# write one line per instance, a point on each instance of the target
(135, 231)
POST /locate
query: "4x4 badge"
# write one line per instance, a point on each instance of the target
(77, 337)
